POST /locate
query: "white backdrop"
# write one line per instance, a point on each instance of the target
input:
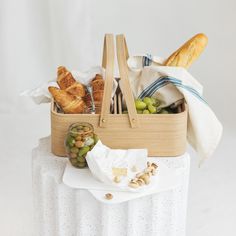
(36, 36)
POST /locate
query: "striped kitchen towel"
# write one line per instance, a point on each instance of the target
(169, 84)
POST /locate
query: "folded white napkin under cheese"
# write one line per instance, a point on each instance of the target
(170, 84)
(102, 160)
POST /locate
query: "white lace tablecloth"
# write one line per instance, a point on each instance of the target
(63, 211)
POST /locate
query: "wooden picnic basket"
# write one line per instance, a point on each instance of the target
(162, 134)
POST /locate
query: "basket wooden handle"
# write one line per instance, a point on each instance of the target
(122, 56)
(108, 64)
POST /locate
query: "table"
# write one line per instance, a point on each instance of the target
(63, 211)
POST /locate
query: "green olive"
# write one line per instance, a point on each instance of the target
(140, 105)
(74, 150)
(80, 127)
(73, 155)
(86, 129)
(74, 130)
(83, 150)
(79, 132)
(70, 141)
(149, 100)
(152, 109)
(78, 138)
(139, 111)
(81, 159)
(81, 164)
(146, 111)
(73, 162)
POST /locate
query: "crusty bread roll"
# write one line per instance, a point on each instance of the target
(98, 95)
(70, 104)
(98, 83)
(188, 53)
(98, 88)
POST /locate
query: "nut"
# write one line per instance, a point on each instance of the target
(78, 138)
(140, 182)
(154, 165)
(148, 169)
(154, 171)
(134, 180)
(117, 179)
(108, 196)
(133, 184)
(145, 178)
(149, 174)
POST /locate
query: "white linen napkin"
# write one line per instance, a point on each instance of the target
(102, 160)
(42, 95)
(169, 84)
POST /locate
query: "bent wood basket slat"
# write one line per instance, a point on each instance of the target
(162, 134)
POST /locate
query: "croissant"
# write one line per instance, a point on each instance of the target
(188, 53)
(64, 78)
(61, 70)
(76, 89)
(70, 104)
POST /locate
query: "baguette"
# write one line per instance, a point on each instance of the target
(189, 52)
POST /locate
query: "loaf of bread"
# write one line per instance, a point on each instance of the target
(70, 104)
(188, 53)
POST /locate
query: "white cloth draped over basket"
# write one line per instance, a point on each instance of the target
(41, 94)
(169, 84)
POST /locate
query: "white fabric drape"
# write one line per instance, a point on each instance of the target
(38, 35)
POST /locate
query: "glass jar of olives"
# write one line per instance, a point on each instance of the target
(79, 140)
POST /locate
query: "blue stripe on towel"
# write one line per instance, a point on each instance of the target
(155, 83)
(147, 60)
(164, 80)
